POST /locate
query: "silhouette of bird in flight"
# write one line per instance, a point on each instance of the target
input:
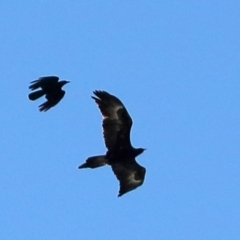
(121, 154)
(51, 87)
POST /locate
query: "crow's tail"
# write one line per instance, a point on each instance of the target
(35, 95)
(94, 162)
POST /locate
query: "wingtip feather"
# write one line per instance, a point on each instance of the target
(82, 166)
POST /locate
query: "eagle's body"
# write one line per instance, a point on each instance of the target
(121, 154)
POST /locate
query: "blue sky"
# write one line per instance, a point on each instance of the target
(175, 66)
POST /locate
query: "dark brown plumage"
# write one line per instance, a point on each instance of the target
(121, 154)
(51, 87)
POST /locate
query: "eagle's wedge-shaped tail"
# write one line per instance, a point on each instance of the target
(94, 162)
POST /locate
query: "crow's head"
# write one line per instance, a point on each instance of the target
(63, 82)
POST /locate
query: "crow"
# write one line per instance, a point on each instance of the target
(121, 154)
(51, 87)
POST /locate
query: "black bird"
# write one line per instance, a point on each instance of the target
(121, 154)
(51, 87)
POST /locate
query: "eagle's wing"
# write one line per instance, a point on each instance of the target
(117, 122)
(130, 176)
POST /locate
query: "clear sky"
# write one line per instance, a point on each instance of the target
(176, 67)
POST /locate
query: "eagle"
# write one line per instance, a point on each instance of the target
(120, 155)
(51, 87)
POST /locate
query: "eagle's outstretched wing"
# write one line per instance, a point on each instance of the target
(117, 122)
(130, 176)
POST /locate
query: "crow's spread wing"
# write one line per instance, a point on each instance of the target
(130, 176)
(53, 99)
(117, 122)
(44, 82)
